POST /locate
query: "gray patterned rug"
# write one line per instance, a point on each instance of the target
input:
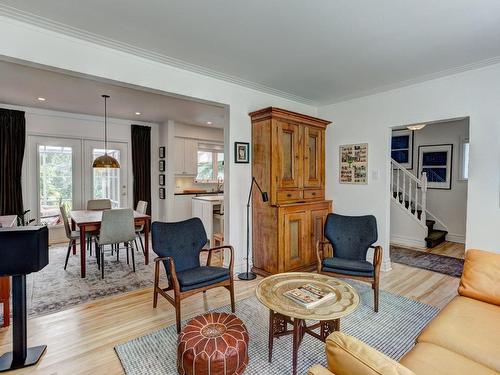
(54, 289)
(432, 262)
(393, 331)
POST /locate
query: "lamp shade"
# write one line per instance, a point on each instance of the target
(105, 161)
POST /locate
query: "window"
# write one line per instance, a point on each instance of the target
(402, 147)
(55, 182)
(210, 163)
(464, 159)
(106, 181)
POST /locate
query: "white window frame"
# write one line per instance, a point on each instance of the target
(215, 149)
(464, 164)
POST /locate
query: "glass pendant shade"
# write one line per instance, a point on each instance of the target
(105, 161)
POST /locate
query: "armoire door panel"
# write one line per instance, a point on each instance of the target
(296, 244)
(313, 157)
(289, 156)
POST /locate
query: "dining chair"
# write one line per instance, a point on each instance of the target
(142, 207)
(99, 204)
(71, 235)
(178, 246)
(117, 226)
(349, 238)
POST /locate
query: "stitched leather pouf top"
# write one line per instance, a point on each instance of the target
(213, 344)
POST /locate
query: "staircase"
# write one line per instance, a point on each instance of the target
(410, 194)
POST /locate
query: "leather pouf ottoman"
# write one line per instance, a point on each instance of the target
(213, 344)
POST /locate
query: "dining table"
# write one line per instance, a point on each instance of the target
(90, 221)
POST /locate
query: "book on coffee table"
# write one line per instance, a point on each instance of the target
(308, 295)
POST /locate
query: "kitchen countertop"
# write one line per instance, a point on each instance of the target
(207, 192)
(211, 198)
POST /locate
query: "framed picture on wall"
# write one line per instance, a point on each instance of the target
(162, 180)
(354, 164)
(402, 147)
(162, 152)
(436, 162)
(241, 152)
(162, 193)
(162, 165)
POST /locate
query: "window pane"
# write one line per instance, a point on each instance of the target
(401, 156)
(435, 174)
(55, 182)
(400, 141)
(205, 166)
(106, 181)
(435, 158)
(220, 166)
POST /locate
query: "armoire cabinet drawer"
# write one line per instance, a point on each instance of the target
(290, 195)
(314, 194)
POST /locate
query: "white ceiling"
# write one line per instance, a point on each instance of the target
(22, 85)
(321, 51)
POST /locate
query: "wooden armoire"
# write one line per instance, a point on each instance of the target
(289, 163)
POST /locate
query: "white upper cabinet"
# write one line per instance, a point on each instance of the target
(186, 157)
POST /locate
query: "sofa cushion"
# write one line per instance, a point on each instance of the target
(347, 355)
(467, 327)
(426, 358)
(481, 277)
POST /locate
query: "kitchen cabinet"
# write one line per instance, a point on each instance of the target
(182, 207)
(186, 157)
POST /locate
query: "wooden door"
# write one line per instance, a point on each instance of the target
(316, 231)
(295, 240)
(313, 157)
(289, 154)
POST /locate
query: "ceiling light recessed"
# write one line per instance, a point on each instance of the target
(416, 127)
(138, 113)
(41, 99)
(209, 122)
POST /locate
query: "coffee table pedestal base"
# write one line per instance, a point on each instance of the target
(278, 326)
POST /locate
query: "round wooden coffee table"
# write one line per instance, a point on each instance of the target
(284, 311)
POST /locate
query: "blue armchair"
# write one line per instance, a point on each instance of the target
(349, 238)
(178, 246)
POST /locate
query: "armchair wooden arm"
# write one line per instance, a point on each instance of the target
(231, 255)
(320, 253)
(173, 283)
(377, 258)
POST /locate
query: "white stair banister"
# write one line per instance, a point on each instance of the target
(424, 197)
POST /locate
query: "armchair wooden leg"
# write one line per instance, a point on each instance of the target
(375, 294)
(178, 313)
(231, 292)
(155, 290)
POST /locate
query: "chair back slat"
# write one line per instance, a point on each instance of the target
(182, 241)
(99, 204)
(142, 207)
(64, 216)
(351, 236)
(117, 226)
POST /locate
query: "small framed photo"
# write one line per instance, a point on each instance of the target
(162, 193)
(241, 152)
(162, 180)
(162, 152)
(162, 165)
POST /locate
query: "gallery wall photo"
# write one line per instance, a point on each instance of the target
(354, 164)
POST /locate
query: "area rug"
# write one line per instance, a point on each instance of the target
(392, 330)
(428, 261)
(54, 289)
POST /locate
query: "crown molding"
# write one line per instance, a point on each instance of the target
(78, 33)
(413, 81)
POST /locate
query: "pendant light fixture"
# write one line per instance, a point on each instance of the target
(105, 161)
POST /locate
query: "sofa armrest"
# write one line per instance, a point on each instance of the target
(347, 355)
(319, 370)
(481, 277)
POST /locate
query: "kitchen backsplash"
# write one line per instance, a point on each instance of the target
(186, 183)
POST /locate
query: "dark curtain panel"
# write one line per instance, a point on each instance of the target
(141, 164)
(12, 141)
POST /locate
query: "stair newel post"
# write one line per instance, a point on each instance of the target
(424, 197)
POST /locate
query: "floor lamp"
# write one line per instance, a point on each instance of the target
(250, 275)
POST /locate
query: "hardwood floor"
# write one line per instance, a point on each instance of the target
(81, 340)
(450, 249)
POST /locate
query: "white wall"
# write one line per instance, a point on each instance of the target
(368, 119)
(33, 44)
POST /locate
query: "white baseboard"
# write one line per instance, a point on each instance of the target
(407, 241)
(453, 237)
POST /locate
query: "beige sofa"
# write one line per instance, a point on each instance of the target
(463, 339)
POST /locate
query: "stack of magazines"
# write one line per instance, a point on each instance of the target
(309, 295)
